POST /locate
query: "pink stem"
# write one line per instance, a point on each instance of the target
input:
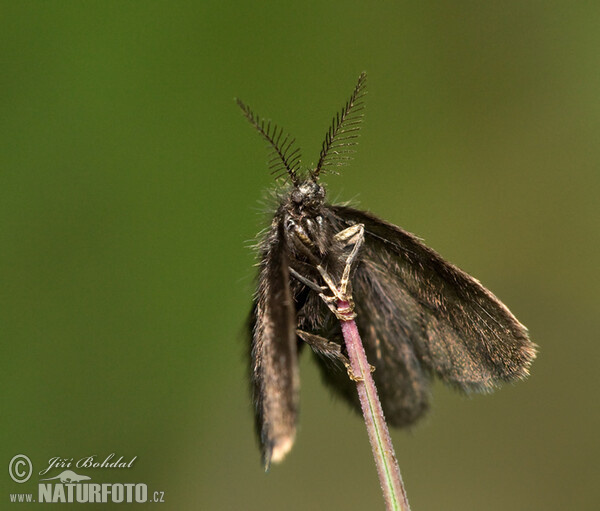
(379, 435)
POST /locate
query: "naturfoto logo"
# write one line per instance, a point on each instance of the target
(70, 485)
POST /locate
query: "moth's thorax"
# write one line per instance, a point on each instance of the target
(303, 222)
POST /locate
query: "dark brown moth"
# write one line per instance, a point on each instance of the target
(419, 316)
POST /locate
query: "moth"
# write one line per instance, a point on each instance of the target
(418, 315)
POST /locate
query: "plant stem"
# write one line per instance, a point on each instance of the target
(379, 435)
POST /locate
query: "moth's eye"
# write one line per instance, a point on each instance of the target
(289, 223)
(297, 196)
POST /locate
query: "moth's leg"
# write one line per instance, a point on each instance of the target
(353, 377)
(352, 235)
(342, 313)
(302, 242)
(323, 347)
(357, 237)
(330, 282)
(330, 350)
(307, 282)
(349, 234)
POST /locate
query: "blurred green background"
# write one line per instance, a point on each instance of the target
(130, 189)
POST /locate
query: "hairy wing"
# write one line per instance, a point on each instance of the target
(402, 382)
(457, 329)
(274, 352)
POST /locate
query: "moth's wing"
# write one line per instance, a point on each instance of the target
(402, 383)
(456, 328)
(274, 351)
(401, 380)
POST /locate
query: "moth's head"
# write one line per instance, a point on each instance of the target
(307, 197)
(303, 218)
(302, 208)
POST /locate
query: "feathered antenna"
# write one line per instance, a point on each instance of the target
(284, 157)
(343, 132)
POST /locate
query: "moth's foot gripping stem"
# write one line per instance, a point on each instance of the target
(353, 235)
